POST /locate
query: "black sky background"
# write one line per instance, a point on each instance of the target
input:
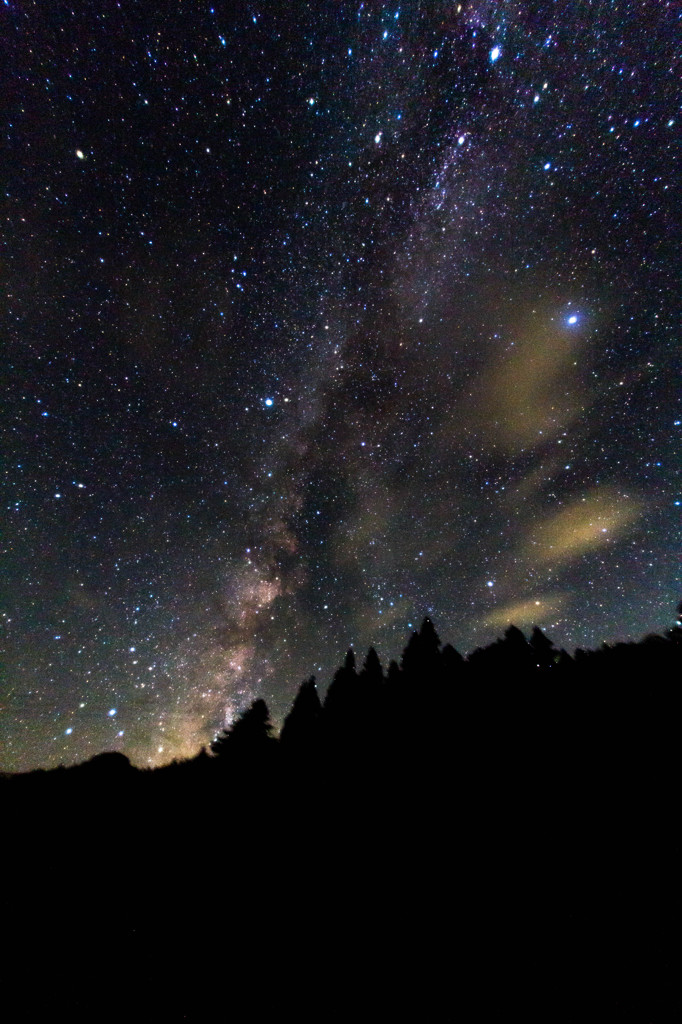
(321, 318)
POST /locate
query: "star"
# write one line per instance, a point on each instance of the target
(375, 350)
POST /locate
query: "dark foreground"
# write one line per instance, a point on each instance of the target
(478, 843)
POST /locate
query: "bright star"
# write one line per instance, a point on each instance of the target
(80, 154)
(269, 401)
(494, 54)
(572, 319)
(111, 712)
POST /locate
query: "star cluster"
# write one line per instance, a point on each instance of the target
(320, 318)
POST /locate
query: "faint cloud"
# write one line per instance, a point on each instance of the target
(525, 612)
(531, 392)
(585, 524)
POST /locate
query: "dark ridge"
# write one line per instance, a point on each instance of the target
(494, 833)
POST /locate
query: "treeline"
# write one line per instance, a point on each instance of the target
(416, 705)
(519, 691)
(465, 837)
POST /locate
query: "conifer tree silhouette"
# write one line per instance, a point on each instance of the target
(372, 673)
(300, 731)
(516, 651)
(543, 649)
(393, 676)
(369, 705)
(251, 733)
(342, 690)
(421, 658)
(453, 662)
(410, 659)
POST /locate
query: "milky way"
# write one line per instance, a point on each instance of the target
(321, 318)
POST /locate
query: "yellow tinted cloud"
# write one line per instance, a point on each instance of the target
(524, 613)
(530, 392)
(585, 524)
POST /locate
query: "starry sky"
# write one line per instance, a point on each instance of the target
(319, 318)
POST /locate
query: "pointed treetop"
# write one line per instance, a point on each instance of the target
(349, 663)
(451, 657)
(412, 652)
(514, 635)
(539, 640)
(428, 633)
(393, 675)
(371, 669)
(251, 727)
(307, 699)
(301, 724)
(372, 663)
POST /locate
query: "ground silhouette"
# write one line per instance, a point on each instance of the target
(481, 836)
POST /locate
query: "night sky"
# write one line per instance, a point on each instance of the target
(319, 318)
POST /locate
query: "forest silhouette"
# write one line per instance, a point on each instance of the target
(476, 837)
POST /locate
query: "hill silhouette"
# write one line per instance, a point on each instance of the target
(479, 836)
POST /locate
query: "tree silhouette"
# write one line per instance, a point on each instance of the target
(393, 676)
(543, 649)
(372, 673)
(453, 662)
(300, 731)
(251, 733)
(421, 658)
(342, 691)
